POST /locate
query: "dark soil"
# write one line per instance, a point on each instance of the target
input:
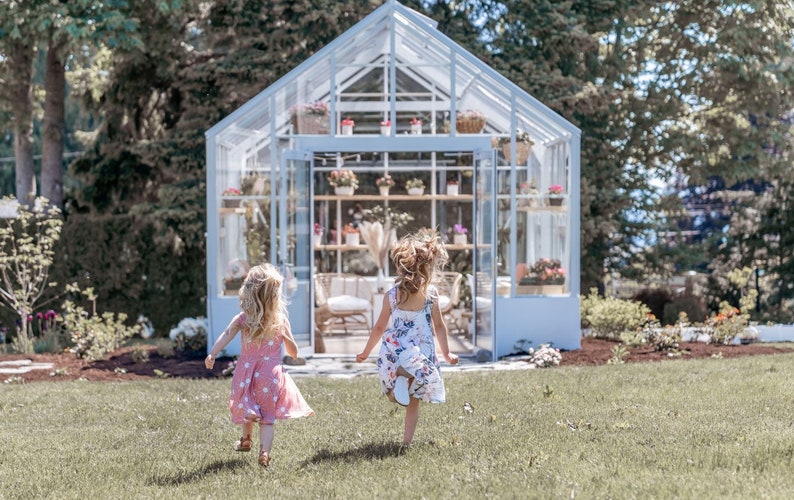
(120, 365)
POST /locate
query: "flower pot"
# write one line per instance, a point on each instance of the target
(352, 239)
(416, 191)
(318, 240)
(344, 190)
(385, 129)
(555, 201)
(522, 152)
(473, 125)
(311, 124)
(347, 129)
(231, 203)
(416, 128)
(453, 189)
(384, 190)
(459, 239)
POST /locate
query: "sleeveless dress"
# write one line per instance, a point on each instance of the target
(262, 391)
(410, 342)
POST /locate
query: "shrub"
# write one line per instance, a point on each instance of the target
(94, 335)
(609, 317)
(190, 336)
(140, 355)
(545, 356)
(666, 338)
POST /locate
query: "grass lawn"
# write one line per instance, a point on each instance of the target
(711, 428)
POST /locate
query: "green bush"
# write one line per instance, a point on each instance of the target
(95, 335)
(609, 318)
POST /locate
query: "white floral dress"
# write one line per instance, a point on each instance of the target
(410, 343)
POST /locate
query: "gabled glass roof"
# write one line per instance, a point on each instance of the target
(392, 63)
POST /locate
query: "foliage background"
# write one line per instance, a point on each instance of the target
(685, 110)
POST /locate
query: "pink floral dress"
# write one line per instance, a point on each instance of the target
(411, 342)
(262, 391)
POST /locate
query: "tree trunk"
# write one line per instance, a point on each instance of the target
(21, 97)
(54, 123)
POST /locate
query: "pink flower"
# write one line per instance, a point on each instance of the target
(555, 189)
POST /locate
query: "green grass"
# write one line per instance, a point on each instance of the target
(679, 429)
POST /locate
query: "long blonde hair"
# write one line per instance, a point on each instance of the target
(417, 257)
(262, 300)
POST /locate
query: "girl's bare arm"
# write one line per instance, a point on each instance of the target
(440, 327)
(289, 341)
(228, 334)
(377, 330)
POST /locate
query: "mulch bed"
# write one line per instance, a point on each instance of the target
(120, 365)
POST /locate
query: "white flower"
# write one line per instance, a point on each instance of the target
(190, 327)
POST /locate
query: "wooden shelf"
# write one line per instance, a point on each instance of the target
(353, 248)
(545, 208)
(394, 197)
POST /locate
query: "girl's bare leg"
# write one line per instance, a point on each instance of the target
(248, 428)
(266, 432)
(244, 443)
(411, 419)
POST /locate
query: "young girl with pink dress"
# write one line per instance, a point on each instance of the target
(262, 391)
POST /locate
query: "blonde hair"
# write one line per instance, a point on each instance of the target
(417, 257)
(262, 300)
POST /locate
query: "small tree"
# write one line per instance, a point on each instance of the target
(27, 247)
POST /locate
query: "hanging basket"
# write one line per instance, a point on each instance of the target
(522, 152)
(473, 125)
(311, 124)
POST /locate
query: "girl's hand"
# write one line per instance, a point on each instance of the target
(209, 361)
(452, 358)
(361, 357)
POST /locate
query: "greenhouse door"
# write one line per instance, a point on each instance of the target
(293, 235)
(484, 282)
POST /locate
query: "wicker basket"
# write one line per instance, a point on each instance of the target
(472, 125)
(311, 124)
(522, 151)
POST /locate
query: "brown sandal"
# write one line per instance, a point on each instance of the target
(264, 458)
(243, 444)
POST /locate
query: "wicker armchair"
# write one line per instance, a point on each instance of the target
(342, 302)
(449, 287)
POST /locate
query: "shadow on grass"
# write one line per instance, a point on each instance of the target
(188, 476)
(369, 451)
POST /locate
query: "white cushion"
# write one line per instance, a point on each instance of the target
(348, 303)
(482, 303)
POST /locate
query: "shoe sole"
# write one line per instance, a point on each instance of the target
(401, 391)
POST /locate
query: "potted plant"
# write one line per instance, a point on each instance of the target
(318, 234)
(469, 122)
(385, 127)
(529, 194)
(453, 188)
(384, 183)
(459, 234)
(347, 126)
(231, 195)
(415, 186)
(343, 181)
(416, 126)
(544, 277)
(311, 118)
(555, 195)
(351, 234)
(523, 146)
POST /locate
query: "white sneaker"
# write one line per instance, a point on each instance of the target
(401, 391)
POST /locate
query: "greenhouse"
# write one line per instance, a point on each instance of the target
(390, 128)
